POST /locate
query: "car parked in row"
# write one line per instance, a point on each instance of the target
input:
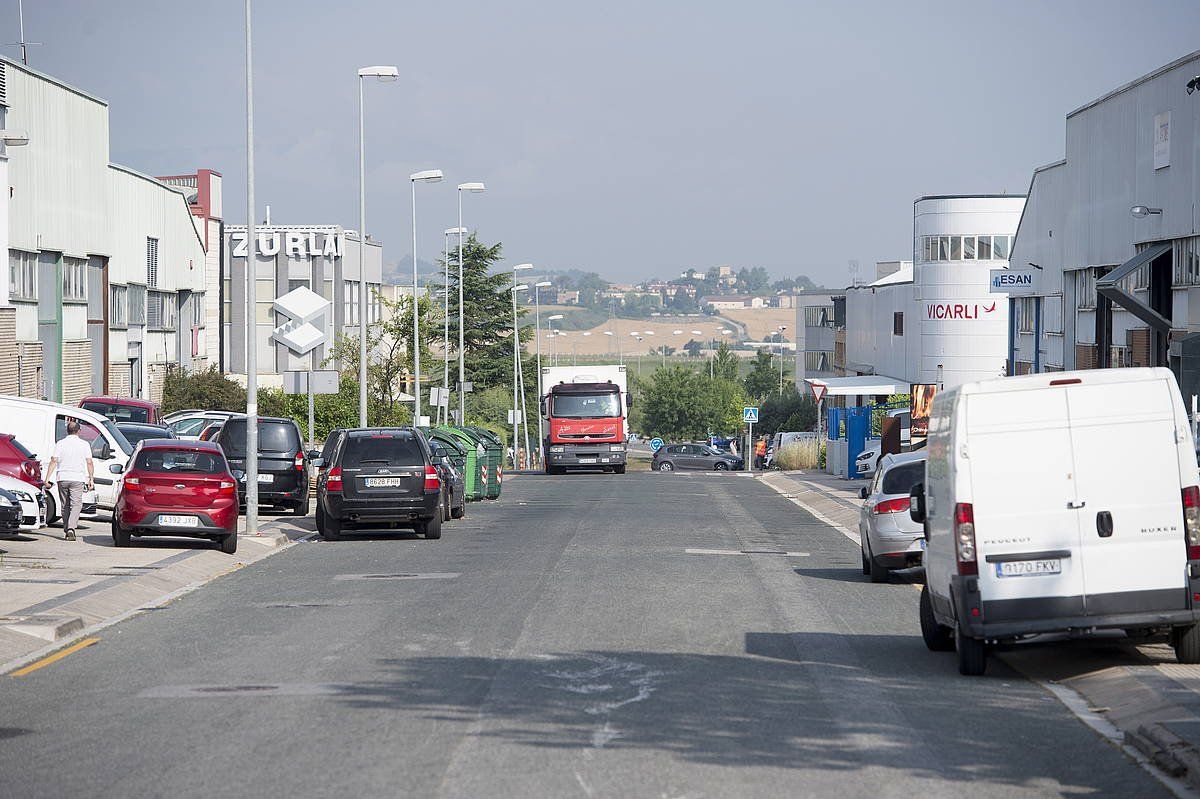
(890, 539)
(123, 409)
(31, 499)
(136, 432)
(283, 479)
(455, 495)
(384, 476)
(18, 462)
(177, 488)
(189, 424)
(674, 457)
(10, 513)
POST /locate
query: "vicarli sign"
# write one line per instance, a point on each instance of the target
(958, 310)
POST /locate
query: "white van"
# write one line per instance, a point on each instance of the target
(1063, 502)
(39, 425)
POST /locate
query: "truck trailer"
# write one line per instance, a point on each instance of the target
(585, 408)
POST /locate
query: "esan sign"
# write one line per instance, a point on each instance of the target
(1015, 282)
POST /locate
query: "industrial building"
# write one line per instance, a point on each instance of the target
(105, 288)
(1107, 250)
(815, 332)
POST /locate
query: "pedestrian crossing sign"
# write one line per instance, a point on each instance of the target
(750, 415)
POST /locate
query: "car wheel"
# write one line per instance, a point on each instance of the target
(866, 564)
(1186, 642)
(446, 508)
(229, 544)
(459, 512)
(51, 508)
(721, 466)
(619, 469)
(432, 528)
(878, 573)
(120, 535)
(972, 653)
(329, 529)
(666, 466)
(301, 508)
(938, 637)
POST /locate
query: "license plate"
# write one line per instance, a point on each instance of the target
(384, 482)
(262, 478)
(1029, 568)
(179, 521)
(587, 460)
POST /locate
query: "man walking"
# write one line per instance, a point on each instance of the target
(73, 459)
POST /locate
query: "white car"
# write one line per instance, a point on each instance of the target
(890, 538)
(32, 499)
(188, 425)
(867, 461)
(1064, 502)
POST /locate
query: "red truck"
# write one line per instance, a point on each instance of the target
(586, 408)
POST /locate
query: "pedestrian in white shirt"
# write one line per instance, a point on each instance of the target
(73, 459)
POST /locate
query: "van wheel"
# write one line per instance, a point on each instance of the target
(938, 637)
(1186, 641)
(972, 653)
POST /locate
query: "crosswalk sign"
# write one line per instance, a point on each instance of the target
(750, 415)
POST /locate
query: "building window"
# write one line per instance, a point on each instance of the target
(74, 280)
(350, 302)
(375, 308)
(1085, 289)
(968, 248)
(1026, 315)
(151, 262)
(983, 250)
(198, 309)
(1000, 247)
(118, 306)
(897, 323)
(137, 304)
(965, 248)
(161, 313)
(22, 275)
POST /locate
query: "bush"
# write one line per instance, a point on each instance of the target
(803, 453)
(207, 390)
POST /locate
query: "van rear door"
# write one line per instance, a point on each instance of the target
(1131, 518)
(1027, 537)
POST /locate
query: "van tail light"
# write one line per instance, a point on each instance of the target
(333, 480)
(432, 481)
(300, 461)
(892, 506)
(1191, 521)
(133, 484)
(964, 538)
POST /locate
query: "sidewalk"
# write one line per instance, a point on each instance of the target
(52, 591)
(1134, 694)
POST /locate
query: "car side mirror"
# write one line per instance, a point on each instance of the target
(115, 468)
(916, 505)
(313, 454)
(542, 405)
(863, 493)
(101, 451)
(318, 461)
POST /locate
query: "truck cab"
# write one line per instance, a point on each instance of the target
(586, 419)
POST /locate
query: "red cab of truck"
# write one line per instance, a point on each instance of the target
(585, 408)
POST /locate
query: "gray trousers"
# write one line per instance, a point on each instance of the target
(70, 493)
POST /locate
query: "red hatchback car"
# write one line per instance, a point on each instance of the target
(17, 461)
(177, 488)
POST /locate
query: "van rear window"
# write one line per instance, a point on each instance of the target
(901, 479)
(278, 437)
(382, 450)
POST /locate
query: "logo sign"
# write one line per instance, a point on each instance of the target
(958, 310)
(1017, 282)
(656, 444)
(297, 243)
(750, 415)
(301, 307)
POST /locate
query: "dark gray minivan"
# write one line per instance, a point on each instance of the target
(282, 462)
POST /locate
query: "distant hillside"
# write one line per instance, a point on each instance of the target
(401, 271)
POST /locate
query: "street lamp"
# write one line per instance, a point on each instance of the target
(575, 348)
(425, 176)
(251, 294)
(613, 337)
(474, 188)
(446, 318)
(383, 74)
(517, 356)
(550, 320)
(782, 330)
(537, 334)
(14, 138)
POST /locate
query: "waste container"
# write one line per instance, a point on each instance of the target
(476, 486)
(494, 447)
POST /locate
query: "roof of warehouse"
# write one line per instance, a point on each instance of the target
(1144, 79)
(861, 385)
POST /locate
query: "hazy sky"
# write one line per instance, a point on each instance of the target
(635, 139)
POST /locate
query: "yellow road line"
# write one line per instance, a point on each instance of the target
(57, 656)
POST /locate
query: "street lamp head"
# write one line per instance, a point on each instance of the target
(697, 332)
(14, 138)
(726, 331)
(383, 73)
(522, 267)
(543, 284)
(1143, 211)
(676, 332)
(609, 333)
(426, 176)
(475, 187)
(554, 317)
(451, 231)
(520, 287)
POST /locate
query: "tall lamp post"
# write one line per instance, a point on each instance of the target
(251, 294)
(550, 320)
(382, 73)
(425, 176)
(446, 321)
(782, 330)
(611, 337)
(474, 188)
(537, 334)
(517, 394)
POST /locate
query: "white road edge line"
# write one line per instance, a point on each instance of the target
(821, 517)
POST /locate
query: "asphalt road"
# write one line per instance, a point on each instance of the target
(560, 642)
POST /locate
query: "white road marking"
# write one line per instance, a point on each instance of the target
(692, 551)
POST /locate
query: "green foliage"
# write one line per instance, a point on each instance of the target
(207, 389)
(751, 281)
(679, 403)
(725, 363)
(789, 412)
(330, 411)
(763, 380)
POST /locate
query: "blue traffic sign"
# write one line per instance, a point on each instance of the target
(750, 415)
(656, 444)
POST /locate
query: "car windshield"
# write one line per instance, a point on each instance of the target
(119, 413)
(587, 406)
(174, 461)
(382, 449)
(900, 479)
(272, 437)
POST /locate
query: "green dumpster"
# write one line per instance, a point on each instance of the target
(495, 459)
(475, 486)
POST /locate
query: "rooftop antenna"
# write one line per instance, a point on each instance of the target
(21, 23)
(853, 271)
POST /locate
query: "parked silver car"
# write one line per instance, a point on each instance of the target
(890, 539)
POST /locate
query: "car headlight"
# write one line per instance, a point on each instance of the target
(617, 448)
(5, 502)
(21, 495)
(557, 449)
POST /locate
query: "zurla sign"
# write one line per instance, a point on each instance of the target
(298, 243)
(1016, 282)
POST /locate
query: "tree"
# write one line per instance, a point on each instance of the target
(330, 411)
(725, 363)
(207, 389)
(693, 347)
(724, 400)
(763, 380)
(787, 412)
(753, 280)
(680, 403)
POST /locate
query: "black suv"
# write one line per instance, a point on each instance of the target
(282, 462)
(379, 476)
